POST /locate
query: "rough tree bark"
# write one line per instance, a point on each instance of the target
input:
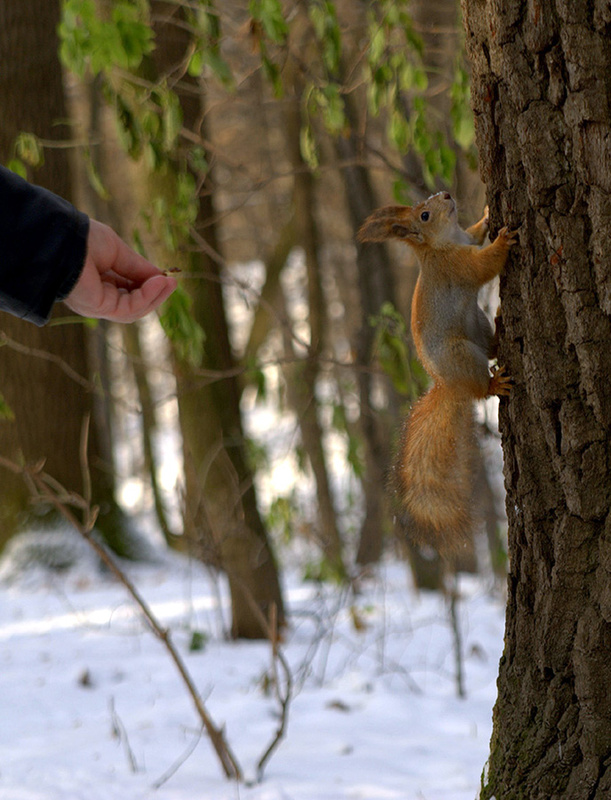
(541, 95)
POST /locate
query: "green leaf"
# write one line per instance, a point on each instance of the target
(333, 111)
(135, 36)
(198, 160)
(447, 158)
(463, 128)
(129, 128)
(95, 180)
(88, 41)
(377, 44)
(138, 243)
(185, 207)
(269, 14)
(324, 571)
(400, 191)
(196, 64)
(354, 456)
(171, 115)
(328, 102)
(338, 419)
(78, 18)
(272, 73)
(17, 166)
(420, 80)
(391, 347)
(256, 376)
(220, 68)
(257, 455)
(199, 640)
(326, 27)
(307, 144)
(180, 327)
(6, 412)
(464, 131)
(398, 131)
(209, 21)
(281, 517)
(29, 149)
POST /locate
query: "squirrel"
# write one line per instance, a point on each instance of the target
(432, 477)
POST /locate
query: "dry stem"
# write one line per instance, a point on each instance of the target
(45, 487)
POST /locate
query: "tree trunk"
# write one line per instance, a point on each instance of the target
(376, 286)
(49, 405)
(140, 368)
(221, 504)
(302, 376)
(541, 93)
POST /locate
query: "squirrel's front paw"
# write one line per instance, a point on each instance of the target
(507, 237)
(500, 383)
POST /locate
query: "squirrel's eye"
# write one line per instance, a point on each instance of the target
(424, 216)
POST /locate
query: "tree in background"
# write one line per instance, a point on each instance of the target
(221, 512)
(44, 373)
(541, 89)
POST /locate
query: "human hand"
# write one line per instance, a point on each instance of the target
(116, 283)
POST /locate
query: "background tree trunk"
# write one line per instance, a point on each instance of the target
(221, 504)
(541, 93)
(303, 375)
(376, 287)
(49, 405)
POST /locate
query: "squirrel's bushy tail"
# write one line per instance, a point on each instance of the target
(432, 476)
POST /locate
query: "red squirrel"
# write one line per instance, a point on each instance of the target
(432, 476)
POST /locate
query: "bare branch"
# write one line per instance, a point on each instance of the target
(47, 488)
(118, 729)
(173, 769)
(283, 689)
(46, 356)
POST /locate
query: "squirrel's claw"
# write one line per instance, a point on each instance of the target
(509, 238)
(500, 383)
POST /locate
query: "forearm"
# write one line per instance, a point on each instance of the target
(43, 243)
(479, 231)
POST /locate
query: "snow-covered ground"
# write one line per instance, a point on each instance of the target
(91, 707)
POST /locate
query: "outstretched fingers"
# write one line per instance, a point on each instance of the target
(117, 283)
(120, 305)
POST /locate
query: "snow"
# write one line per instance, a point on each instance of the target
(92, 708)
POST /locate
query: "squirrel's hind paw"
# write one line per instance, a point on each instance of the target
(500, 383)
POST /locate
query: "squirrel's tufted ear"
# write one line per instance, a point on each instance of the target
(389, 222)
(409, 235)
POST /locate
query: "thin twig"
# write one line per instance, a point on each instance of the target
(87, 490)
(119, 730)
(457, 636)
(47, 356)
(42, 483)
(173, 769)
(283, 697)
(271, 628)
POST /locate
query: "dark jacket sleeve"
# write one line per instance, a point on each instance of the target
(43, 244)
